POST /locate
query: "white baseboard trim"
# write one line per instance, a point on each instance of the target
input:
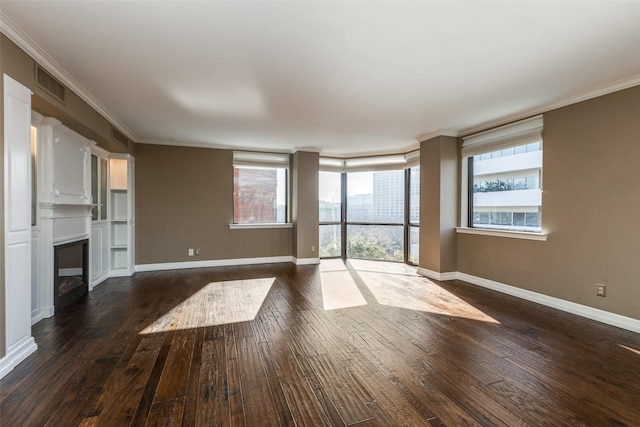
(596, 314)
(305, 261)
(121, 273)
(212, 263)
(449, 275)
(36, 316)
(26, 346)
(41, 313)
(99, 280)
(48, 311)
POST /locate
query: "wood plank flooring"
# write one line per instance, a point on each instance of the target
(266, 346)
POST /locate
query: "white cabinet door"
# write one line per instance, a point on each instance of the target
(96, 249)
(105, 250)
(99, 252)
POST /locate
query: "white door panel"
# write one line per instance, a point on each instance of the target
(17, 230)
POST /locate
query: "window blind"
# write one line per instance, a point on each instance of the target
(265, 160)
(412, 159)
(507, 136)
(371, 163)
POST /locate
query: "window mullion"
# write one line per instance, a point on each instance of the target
(343, 215)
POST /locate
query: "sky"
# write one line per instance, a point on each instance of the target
(357, 183)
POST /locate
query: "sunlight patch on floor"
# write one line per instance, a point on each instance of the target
(420, 294)
(339, 290)
(332, 265)
(633, 350)
(218, 303)
(383, 267)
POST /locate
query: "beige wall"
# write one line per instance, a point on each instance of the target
(590, 207)
(305, 205)
(438, 203)
(74, 113)
(184, 199)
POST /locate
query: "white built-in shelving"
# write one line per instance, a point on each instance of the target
(121, 218)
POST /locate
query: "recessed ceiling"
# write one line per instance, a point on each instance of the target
(341, 77)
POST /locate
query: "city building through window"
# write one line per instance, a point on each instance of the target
(413, 235)
(260, 188)
(505, 177)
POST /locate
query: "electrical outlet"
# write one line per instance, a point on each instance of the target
(601, 290)
(197, 252)
(190, 252)
(313, 248)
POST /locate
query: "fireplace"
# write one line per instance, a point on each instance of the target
(71, 272)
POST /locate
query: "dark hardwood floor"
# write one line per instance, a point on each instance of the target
(372, 344)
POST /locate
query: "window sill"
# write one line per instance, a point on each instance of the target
(541, 237)
(260, 225)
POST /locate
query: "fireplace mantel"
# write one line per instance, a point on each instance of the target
(64, 196)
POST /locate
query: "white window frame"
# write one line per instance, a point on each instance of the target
(507, 136)
(257, 160)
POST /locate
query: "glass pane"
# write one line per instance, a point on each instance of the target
(518, 218)
(34, 175)
(532, 219)
(414, 195)
(104, 200)
(330, 240)
(377, 242)
(376, 197)
(281, 200)
(414, 245)
(329, 195)
(259, 195)
(94, 187)
(506, 188)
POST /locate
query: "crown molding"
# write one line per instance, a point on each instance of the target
(216, 146)
(403, 150)
(358, 154)
(306, 149)
(31, 48)
(616, 86)
(435, 134)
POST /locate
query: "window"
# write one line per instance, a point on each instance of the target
(260, 188)
(330, 214)
(375, 197)
(375, 204)
(504, 177)
(370, 207)
(413, 235)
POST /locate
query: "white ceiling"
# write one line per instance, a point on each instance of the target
(341, 77)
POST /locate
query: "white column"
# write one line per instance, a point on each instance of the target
(19, 343)
(46, 199)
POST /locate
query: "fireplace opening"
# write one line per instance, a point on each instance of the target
(71, 272)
